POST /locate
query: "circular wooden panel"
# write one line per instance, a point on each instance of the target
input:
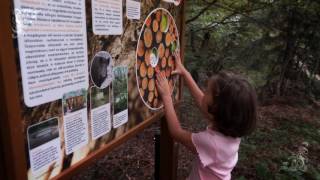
(159, 32)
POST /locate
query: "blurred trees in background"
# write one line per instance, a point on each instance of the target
(274, 42)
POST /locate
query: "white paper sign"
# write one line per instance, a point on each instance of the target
(76, 130)
(120, 118)
(100, 121)
(52, 42)
(75, 120)
(175, 2)
(133, 9)
(107, 17)
(44, 145)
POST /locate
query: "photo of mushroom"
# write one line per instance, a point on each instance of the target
(101, 69)
(158, 41)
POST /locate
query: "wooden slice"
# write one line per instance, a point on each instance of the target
(143, 70)
(155, 25)
(168, 39)
(138, 63)
(163, 62)
(171, 27)
(168, 72)
(155, 102)
(141, 92)
(170, 61)
(144, 83)
(150, 96)
(151, 85)
(157, 68)
(167, 53)
(156, 92)
(164, 23)
(147, 57)
(159, 36)
(147, 37)
(173, 37)
(148, 21)
(150, 72)
(158, 15)
(161, 50)
(140, 48)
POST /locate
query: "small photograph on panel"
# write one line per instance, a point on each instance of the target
(120, 89)
(99, 97)
(101, 70)
(74, 101)
(44, 145)
(120, 95)
(42, 133)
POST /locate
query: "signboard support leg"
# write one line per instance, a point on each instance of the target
(168, 154)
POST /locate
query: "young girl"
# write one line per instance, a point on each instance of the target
(229, 105)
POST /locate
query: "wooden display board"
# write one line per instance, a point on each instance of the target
(34, 122)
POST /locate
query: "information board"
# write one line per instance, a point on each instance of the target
(76, 74)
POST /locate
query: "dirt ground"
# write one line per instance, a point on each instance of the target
(268, 153)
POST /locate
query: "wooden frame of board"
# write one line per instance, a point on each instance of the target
(12, 150)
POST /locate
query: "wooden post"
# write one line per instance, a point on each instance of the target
(168, 148)
(2, 166)
(12, 139)
(168, 154)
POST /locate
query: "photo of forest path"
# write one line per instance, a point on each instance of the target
(275, 44)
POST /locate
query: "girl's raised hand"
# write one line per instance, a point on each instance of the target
(163, 86)
(180, 69)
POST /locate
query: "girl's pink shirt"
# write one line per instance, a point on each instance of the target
(217, 155)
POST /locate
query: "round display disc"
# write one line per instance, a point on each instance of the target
(158, 41)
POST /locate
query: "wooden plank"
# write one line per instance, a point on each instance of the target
(168, 148)
(168, 155)
(2, 165)
(11, 123)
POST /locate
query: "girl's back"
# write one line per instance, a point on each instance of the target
(217, 155)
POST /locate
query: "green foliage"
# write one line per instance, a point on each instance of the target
(279, 38)
(120, 89)
(263, 171)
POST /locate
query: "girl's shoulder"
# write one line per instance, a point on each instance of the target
(211, 137)
(213, 145)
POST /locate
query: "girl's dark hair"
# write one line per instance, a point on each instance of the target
(234, 104)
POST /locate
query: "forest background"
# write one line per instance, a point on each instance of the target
(276, 44)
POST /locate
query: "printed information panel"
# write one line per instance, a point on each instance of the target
(53, 48)
(107, 17)
(85, 74)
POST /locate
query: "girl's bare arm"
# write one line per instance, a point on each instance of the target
(178, 134)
